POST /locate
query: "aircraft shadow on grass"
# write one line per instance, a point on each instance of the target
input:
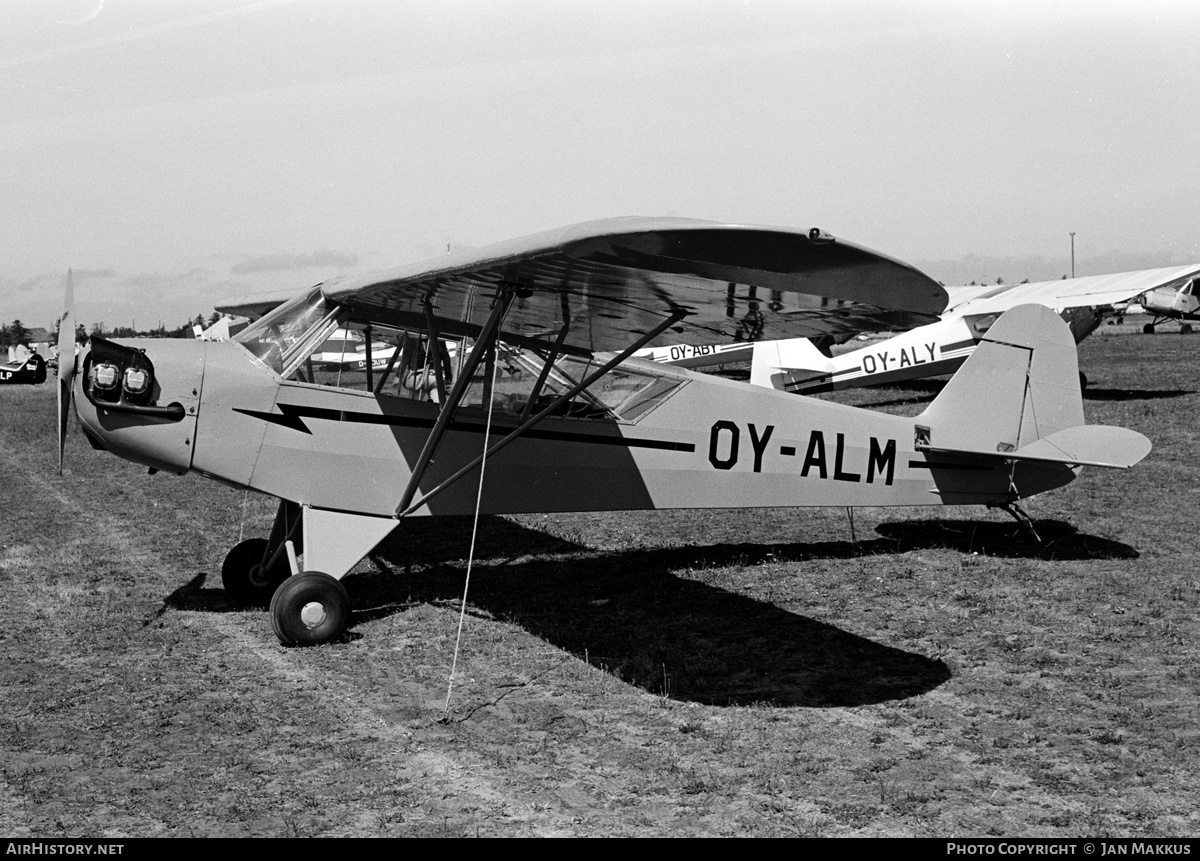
(628, 612)
(1060, 541)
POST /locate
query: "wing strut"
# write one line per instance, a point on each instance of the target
(391, 363)
(450, 406)
(435, 350)
(370, 379)
(548, 361)
(407, 506)
(550, 358)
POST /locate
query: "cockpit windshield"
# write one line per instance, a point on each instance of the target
(275, 337)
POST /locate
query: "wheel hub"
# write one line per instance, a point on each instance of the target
(258, 577)
(313, 614)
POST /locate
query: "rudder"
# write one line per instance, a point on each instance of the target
(1020, 384)
(773, 362)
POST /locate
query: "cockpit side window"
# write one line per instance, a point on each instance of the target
(382, 360)
(309, 344)
(520, 384)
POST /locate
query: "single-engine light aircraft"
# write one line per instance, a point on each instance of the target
(543, 409)
(1172, 302)
(940, 348)
(30, 368)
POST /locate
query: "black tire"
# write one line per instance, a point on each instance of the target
(1148, 329)
(243, 576)
(309, 609)
(1185, 329)
(1082, 381)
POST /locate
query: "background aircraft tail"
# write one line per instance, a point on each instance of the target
(796, 358)
(1018, 397)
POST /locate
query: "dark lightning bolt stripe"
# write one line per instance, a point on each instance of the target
(293, 417)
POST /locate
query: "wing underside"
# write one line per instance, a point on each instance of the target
(600, 285)
(1092, 290)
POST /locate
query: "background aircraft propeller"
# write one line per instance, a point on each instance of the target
(66, 364)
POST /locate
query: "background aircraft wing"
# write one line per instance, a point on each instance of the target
(615, 279)
(1093, 290)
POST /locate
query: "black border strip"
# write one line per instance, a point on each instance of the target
(962, 467)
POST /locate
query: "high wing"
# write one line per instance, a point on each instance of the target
(599, 285)
(1092, 291)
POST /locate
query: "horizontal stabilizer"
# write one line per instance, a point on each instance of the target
(1084, 445)
(1091, 445)
(796, 377)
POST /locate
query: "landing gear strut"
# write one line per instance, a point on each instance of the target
(253, 569)
(308, 608)
(248, 575)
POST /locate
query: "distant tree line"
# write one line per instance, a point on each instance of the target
(161, 331)
(16, 332)
(13, 333)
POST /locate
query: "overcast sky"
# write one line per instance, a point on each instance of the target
(177, 152)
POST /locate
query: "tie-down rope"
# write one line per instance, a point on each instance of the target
(462, 612)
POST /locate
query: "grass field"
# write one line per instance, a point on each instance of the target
(928, 672)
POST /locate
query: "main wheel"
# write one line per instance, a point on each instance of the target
(245, 579)
(309, 609)
(1185, 329)
(1148, 329)
(1082, 381)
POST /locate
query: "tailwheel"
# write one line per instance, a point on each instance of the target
(245, 578)
(309, 609)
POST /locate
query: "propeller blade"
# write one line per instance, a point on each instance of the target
(66, 364)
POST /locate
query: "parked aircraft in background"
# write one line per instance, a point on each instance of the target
(1172, 302)
(583, 426)
(939, 348)
(222, 329)
(24, 366)
(347, 349)
(701, 355)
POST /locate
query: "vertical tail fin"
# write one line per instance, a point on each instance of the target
(773, 360)
(1021, 383)
(1018, 396)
